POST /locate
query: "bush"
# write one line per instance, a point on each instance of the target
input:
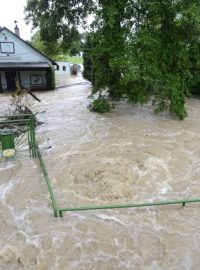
(51, 79)
(100, 105)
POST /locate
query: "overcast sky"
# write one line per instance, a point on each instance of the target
(11, 10)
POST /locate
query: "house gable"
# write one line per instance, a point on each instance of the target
(15, 49)
(20, 61)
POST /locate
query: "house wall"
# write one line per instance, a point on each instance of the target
(14, 51)
(22, 51)
(33, 79)
(64, 68)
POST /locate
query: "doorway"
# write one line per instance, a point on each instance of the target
(11, 80)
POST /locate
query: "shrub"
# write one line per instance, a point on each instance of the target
(100, 105)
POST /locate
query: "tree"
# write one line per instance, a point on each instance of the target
(141, 49)
(51, 50)
(88, 58)
(171, 26)
(147, 47)
(108, 49)
(55, 50)
(58, 20)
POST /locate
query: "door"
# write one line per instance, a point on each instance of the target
(11, 80)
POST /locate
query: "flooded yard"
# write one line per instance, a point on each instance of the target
(128, 155)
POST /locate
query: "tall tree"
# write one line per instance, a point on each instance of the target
(49, 49)
(147, 47)
(109, 47)
(140, 48)
(58, 20)
(55, 50)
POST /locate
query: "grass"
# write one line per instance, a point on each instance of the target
(75, 59)
(71, 59)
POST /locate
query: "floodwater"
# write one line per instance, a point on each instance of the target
(126, 156)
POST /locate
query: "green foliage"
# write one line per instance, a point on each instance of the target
(136, 49)
(100, 105)
(88, 59)
(75, 59)
(55, 50)
(171, 98)
(146, 48)
(51, 79)
(58, 20)
(76, 46)
(71, 59)
(49, 49)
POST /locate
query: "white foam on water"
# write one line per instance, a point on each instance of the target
(153, 266)
(5, 189)
(110, 218)
(7, 165)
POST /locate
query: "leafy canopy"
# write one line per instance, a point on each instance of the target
(136, 49)
(143, 49)
(58, 20)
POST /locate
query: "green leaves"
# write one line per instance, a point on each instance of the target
(51, 50)
(147, 49)
(58, 20)
(100, 105)
(136, 48)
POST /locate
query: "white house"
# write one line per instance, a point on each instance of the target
(63, 68)
(21, 61)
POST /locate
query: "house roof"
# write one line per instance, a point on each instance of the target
(23, 65)
(5, 28)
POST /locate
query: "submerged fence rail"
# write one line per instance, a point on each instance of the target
(46, 177)
(135, 205)
(59, 211)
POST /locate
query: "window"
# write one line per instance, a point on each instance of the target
(64, 68)
(58, 68)
(7, 47)
(36, 79)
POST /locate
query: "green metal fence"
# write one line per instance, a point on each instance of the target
(27, 121)
(17, 137)
(46, 177)
(59, 211)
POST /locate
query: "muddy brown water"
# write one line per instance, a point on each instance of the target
(126, 156)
